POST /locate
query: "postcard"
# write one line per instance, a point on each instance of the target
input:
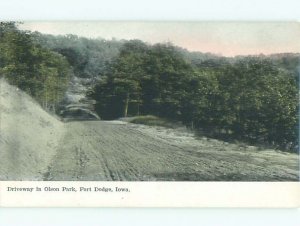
(149, 114)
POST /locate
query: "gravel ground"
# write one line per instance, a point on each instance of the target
(115, 150)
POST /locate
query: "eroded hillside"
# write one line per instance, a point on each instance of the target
(29, 136)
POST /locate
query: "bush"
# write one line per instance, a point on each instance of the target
(151, 120)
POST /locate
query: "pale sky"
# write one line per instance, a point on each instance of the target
(224, 38)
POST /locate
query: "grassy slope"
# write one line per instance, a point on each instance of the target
(151, 120)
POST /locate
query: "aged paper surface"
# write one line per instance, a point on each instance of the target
(150, 194)
(145, 114)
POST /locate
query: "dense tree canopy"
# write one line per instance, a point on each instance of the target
(144, 80)
(87, 57)
(40, 72)
(250, 98)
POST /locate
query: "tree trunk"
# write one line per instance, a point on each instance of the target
(126, 104)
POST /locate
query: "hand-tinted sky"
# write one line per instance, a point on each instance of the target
(225, 38)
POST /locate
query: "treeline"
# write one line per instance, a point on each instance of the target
(87, 57)
(42, 73)
(254, 99)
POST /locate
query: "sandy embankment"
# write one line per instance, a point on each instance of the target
(28, 135)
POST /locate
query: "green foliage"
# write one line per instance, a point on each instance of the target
(151, 120)
(253, 99)
(259, 102)
(87, 57)
(144, 80)
(42, 73)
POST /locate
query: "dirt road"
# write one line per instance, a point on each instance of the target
(35, 145)
(115, 150)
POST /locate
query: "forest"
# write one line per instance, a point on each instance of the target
(42, 73)
(253, 99)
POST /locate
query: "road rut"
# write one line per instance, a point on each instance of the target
(120, 151)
